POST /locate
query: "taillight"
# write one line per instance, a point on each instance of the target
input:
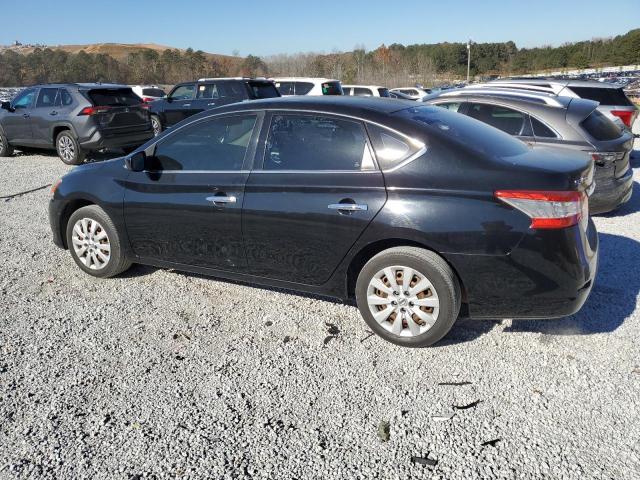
(604, 158)
(94, 110)
(148, 99)
(145, 106)
(548, 209)
(625, 115)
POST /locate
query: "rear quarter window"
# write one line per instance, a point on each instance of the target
(391, 148)
(113, 97)
(600, 127)
(606, 96)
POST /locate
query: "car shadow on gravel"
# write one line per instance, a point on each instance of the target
(91, 157)
(612, 300)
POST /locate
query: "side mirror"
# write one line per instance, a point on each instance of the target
(7, 106)
(169, 99)
(136, 161)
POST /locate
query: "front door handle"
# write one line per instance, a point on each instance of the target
(26, 115)
(211, 104)
(186, 105)
(349, 207)
(222, 199)
(53, 113)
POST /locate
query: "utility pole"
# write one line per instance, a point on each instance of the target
(468, 59)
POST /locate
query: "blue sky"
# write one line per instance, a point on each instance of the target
(264, 28)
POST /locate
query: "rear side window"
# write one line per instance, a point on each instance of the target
(453, 106)
(362, 92)
(302, 88)
(208, 90)
(331, 88)
(391, 148)
(600, 127)
(183, 92)
(120, 97)
(508, 120)
(383, 92)
(217, 144)
(310, 142)
(153, 92)
(263, 90)
(47, 97)
(285, 88)
(346, 90)
(64, 98)
(541, 130)
(606, 96)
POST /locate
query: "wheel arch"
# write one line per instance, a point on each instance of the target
(61, 127)
(67, 211)
(372, 249)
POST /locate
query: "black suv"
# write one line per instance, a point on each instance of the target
(189, 98)
(74, 118)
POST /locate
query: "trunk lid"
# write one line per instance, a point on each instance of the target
(118, 109)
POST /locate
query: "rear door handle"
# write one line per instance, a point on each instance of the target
(53, 113)
(349, 207)
(222, 199)
(26, 115)
(211, 104)
(186, 105)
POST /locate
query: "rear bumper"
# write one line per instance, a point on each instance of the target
(549, 275)
(124, 139)
(610, 193)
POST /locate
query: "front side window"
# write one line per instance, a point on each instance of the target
(453, 106)
(383, 92)
(46, 97)
(310, 142)
(505, 119)
(183, 92)
(25, 99)
(362, 92)
(215, 144)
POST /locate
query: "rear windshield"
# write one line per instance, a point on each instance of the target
(600, 127)
(383, 92)
(263, 90)
(153, 92)
(606, 96)
(331, 88)
(471, 133)
(113, 97)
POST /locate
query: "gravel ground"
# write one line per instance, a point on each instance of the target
(160, 374)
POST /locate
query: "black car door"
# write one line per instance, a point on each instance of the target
(207, 97)
(43, 115)
(314, 192)
(17, 121)
(178, 104)
(185, 208)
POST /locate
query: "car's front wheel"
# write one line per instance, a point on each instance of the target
(69, 149)
(409, 296)
(6, 150)
(95, 243)
(156, 124)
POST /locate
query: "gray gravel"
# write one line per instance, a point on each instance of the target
(160, 374)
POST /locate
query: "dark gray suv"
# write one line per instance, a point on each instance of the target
(546, 120)
(74, 119)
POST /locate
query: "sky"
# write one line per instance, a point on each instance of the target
(265, 28)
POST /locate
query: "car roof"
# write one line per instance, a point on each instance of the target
(516, 95)
(81, 85)
(542, 81)
(363, 86)
(303, 79)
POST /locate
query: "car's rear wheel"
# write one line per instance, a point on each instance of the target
(69, 149)
(409, 296)
(156, 124)
(6, 150)
(95, 243)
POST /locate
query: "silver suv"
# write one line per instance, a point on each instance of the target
(612, 99)
(545, 120)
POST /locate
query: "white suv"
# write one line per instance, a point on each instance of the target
(365, 90)
(416, 93)
(307, 86)
(148, 93)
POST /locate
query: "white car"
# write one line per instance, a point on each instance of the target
(365, 90)
(148, 93)
(416, 93)
(307, 86)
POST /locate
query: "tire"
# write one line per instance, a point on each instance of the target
(69, 149)
(156, 124)
(6, 150)
(440, 290)
(81, 222)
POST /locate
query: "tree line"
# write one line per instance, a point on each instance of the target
(391, 65)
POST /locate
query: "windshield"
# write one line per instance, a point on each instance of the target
(606, 96)
(471, 133)
(153, 92)
(331, 88)
(600, 127)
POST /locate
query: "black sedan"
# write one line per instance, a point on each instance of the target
(418, 213)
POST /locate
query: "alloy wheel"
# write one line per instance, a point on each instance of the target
(155, 123)
(91, 243)
(66, 148)
(403, 301)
